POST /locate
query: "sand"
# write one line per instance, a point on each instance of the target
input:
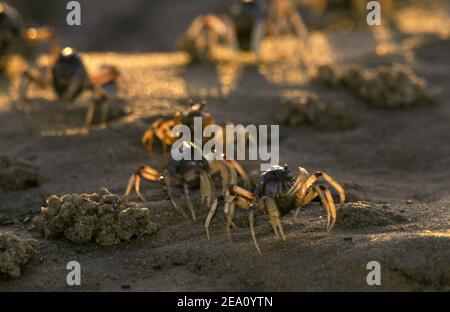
(396, 161)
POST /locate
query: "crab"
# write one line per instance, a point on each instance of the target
(69, 79)
(277, 194)
(162, 129)
(17, 39)
(207, 33)
(253, 21)
(189, 174)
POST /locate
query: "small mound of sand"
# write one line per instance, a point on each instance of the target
(16, 174)
(104, 217)
(306, 108)
(361, 215)
(394, 86)
(15, 252)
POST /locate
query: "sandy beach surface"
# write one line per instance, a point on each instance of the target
(397, 160)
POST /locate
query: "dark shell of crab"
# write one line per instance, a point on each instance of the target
(245, 15)
(69, 70)
(275, 183)
(11, 30)
(178, 168)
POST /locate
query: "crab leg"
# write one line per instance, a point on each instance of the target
(211, 213)
(242, 192)
(295, 188)
(301, 178)
(99, 98)
(137, 187)
(206, 188)
(147, 138)
(251, 219)
(189, 201)
(274, 215)
(243, 200)
(105, 111)
(242, 173)
(90, 113)
(222, 167)
(331, 206)
(244, 203)
(336, 186)
(229, 212)
(168, 184)
(130, 185)
(328, 204)
(313, 179)
(144, 172)
(240, 197)
(309, 197)
(233, 174)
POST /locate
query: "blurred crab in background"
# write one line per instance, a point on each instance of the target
(69, 78)
(190, 175)
(18, 40)
(208, 36)
(277, 194)
(254, 20)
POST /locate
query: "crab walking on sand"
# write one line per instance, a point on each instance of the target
(190, 174)
(254, 20)
(207, 33)
(69, 78)
(195, 117)
(277, 194)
